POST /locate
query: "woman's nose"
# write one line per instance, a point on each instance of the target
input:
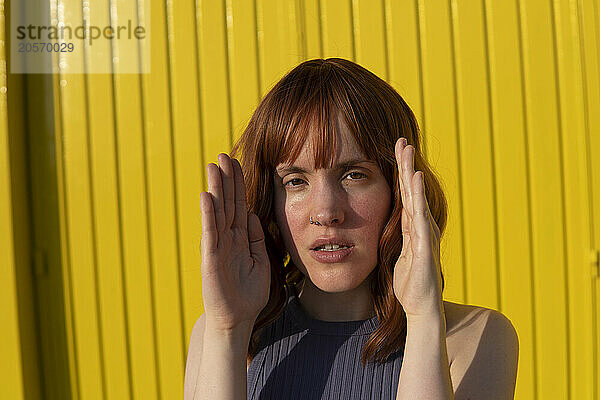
(327, 205)
(326, 221)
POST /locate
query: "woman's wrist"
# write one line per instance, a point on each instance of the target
(435, 317)
(425, 370)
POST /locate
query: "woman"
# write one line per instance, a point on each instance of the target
(320, 258)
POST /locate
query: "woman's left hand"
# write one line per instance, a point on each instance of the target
(417, 280)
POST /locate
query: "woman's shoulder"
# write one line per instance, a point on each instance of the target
(466, 324)
(458, 315)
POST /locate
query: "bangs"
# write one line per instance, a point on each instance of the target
(317, 105)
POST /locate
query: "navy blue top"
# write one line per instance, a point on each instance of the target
(300, 357)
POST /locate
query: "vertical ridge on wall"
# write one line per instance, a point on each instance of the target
(523, 48)
(213, 80)
(460, 187)
(94, 257)
(259, 48)
(441, 135)
(178, 129)
(548, 254)
(385, 25)
(130, 354)
(277, 40)
(354, 29)
(337, 31)
(243, 61)
(403, 54)
(226, 35)
(11, 371)
(55, 359)
(589, 25)
(301, 29)
(369, 42)
(163, 201)
(293, 45)
(131, 175)
(493, 162)
(555, 20)
(215, 130)
(570, 75)
(68, 297)
(105, 220)
(487, 54)
(114, 355)
(475, 152)
(588, 19)
(313, 36)
(423, 50)
(77, 245)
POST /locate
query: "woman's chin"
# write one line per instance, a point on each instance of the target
(336, 281)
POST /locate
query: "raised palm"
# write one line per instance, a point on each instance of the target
(417, 277)
(235, 265)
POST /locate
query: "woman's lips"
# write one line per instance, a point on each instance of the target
(331, 256)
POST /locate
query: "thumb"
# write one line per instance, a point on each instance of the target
(256, 239)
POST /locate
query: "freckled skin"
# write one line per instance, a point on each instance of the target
(360, 203)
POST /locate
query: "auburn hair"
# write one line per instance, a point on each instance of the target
(307, 100)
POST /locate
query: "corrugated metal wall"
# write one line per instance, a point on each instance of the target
(507, 93)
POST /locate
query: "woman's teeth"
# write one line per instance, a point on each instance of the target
(331, 247)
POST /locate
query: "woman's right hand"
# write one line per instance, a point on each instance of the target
(236, 272)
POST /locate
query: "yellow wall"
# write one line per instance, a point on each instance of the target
(100, 177)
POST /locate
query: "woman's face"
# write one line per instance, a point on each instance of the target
(351, 203)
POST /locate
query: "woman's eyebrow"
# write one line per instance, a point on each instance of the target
(340, 166)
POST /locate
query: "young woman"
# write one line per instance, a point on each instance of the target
(321, 273)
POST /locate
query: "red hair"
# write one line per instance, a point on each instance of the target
(307, 99)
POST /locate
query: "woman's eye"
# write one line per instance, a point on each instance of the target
(354, 173)
(292, 180)
(359, 173)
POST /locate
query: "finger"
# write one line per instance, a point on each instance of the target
(405, 223)
(256, 239)
(406, 228)
(421, 211)
(409, 172)
(435, 227)
(210, 235)
(241, 208)
(435, 230)
(228, 188)
(215, 188)
(400, 144)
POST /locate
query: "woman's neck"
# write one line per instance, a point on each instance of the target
(354, 305)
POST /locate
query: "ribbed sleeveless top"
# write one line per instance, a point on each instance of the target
(300, 358)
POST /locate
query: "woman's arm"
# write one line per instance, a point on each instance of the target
(216, 367)
(425, 373)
